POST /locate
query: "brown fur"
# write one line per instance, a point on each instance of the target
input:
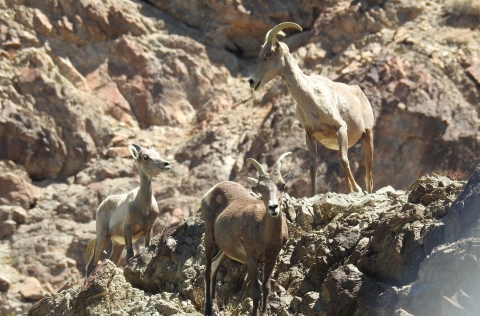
(246, 229)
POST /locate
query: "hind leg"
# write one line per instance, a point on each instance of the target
(100, 245)
(117, 250)
(216, 264)
(209, 252)
(343, 157)
(312, 151)
(367, 141)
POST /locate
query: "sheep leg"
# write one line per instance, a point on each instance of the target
(367, 141)
(216, 264)
(128, 241)
(312, 150)
(267, 271)
(148, 236)
(89, 251)
(343, 158)
(117, 250)
(100, 246)
(254, 284)
(209, 251)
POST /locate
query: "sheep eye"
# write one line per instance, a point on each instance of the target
(268, 54)
(146, 158)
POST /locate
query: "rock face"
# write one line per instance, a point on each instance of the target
(357, 254)
(81, 80)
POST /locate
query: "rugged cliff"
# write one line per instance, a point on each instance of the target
(80, 80)
(388, 253)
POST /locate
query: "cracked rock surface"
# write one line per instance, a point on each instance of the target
(362, 254)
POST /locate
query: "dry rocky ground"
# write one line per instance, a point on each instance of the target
(80, 80)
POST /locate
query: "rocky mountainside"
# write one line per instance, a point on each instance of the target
(81, 80)
(388, 253)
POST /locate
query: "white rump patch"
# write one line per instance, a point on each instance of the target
(209, 191)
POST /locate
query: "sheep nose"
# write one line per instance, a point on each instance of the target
(273, 208)
(251, 82)
(166, 164)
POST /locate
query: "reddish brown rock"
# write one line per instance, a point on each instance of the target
(474, 70)
(16, 187)
(7, 228)
(19, 215)
(31, 289)
(5, 283)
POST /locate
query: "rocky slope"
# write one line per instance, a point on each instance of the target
(388, 253)
(80, 80)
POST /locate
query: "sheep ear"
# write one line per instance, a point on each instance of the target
(275, 44)
(252, 181)
(289, 176)
(133, 151)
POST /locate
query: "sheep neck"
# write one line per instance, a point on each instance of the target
(273, 225)
(144, 197)
(296, 81)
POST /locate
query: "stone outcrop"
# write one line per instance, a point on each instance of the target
(81, 80)
(384, 253)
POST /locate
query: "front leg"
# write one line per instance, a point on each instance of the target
(312, 150)
(254, 284)
(128, 241)
(267, 271)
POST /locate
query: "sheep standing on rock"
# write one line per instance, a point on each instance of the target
(124, 218)
(246, 229)
(334, 114)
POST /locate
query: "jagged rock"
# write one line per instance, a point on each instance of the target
(16, 187)
(5, 283)
(7, 228)
(323, 270)
(106, 292)
(32, 289)
(474, 70)
(81, 80)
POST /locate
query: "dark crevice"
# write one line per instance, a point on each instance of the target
(237, 52)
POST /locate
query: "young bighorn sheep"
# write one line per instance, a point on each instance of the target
(334, 114)
(245, 229)
(124, 218)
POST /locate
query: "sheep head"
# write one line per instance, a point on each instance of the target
(148, 160)
(271, 185)
(270, 60)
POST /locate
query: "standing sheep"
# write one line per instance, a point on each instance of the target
(246, 229)
(124, 218)
(334, 114)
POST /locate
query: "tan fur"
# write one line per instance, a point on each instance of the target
(124, 218)
(333, 114)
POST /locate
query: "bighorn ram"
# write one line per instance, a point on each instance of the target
(334, 114)
(245, 229)
(124, 218)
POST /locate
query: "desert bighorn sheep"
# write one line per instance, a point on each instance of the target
(124, 218)
(334, 114)
(245, 229)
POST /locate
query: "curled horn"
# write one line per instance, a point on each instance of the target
(257, 165)
(278, 164)
(278, 30)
